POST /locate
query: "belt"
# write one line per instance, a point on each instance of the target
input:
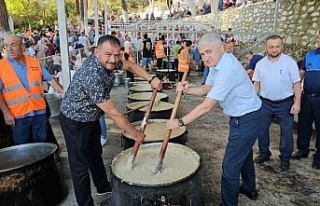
(278, 101)
(312, 94)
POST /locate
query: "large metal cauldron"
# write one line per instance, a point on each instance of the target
(54, 102)
(30, 175)
(140, 88)
(177, 184)
(161, 110)
(6, 137)
(146, 96)
(155, 132)
(165, 74)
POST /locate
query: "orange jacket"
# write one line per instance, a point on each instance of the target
(19, 100)
(159, 49)
(184, 59)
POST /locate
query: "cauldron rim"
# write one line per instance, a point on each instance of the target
(197, 157)
(141, 88)
(143, 109)
(138, 123)
(160, 95)
(50, 147)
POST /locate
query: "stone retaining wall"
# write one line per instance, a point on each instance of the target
(298, 21)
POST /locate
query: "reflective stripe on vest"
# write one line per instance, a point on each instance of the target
(19, 100)
(12, 88)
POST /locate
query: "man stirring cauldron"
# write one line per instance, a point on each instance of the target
(86, 100)
(228, 85)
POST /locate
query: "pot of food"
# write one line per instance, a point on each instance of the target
(140, 88)
(30, 175)
(155, 131)
(145, 96)
(160, 110)
(165, 74)
(177, 184)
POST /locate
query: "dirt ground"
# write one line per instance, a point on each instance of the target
(300, 186)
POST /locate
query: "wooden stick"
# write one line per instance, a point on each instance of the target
(168, 131)
(142, 129)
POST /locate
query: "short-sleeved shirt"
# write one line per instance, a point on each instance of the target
(276, 78)
(254, 60)
(91, 85)
(232, 88)
(311, 82)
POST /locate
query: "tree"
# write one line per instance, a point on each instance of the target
(124, 9)
(4, 24)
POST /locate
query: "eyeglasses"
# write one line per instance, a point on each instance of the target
(207, 52)
(12, 46)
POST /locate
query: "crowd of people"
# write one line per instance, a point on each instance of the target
(269, 86)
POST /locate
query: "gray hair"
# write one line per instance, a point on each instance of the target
(210, 37)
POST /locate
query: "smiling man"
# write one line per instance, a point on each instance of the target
(86, 100)
(229, 86)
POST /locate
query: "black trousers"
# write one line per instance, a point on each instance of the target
(84, 153)
(159, 63)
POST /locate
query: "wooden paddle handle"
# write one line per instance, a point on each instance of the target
(135, 109)
(173, 115)
(144, 122)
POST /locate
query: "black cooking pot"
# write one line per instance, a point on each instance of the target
(30, 175)
(177, 136)
(6, 137)
(179, 190)
(146, 96)
(161, 110)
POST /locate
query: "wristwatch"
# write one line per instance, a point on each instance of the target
(180, 122)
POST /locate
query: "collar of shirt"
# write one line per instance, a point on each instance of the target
(99, 67)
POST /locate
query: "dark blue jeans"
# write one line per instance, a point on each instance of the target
(84, 153)
(238, 158)
(282, 111)
(24, 127)
(310, 112)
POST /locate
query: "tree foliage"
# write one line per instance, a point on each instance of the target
(39, 13)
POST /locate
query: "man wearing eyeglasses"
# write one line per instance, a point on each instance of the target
(21, 92)
(229, 86)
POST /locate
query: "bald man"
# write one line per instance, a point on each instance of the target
(21, 92)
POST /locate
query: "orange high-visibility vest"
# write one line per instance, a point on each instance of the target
(184, 59)
(159, 49)
(19, 100)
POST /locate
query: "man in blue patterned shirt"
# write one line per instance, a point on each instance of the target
(86, 100)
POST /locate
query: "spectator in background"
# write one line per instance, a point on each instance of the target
(175, 51)
(310, 106)
(252, 60)
(146, 52)
(185, 59)
(196, 57)
(160, 52)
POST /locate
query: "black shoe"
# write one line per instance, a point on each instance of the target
(106, 190)
(252, 195)
(316, 165)
(285, 165)
(260, 159)
(298, 155)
